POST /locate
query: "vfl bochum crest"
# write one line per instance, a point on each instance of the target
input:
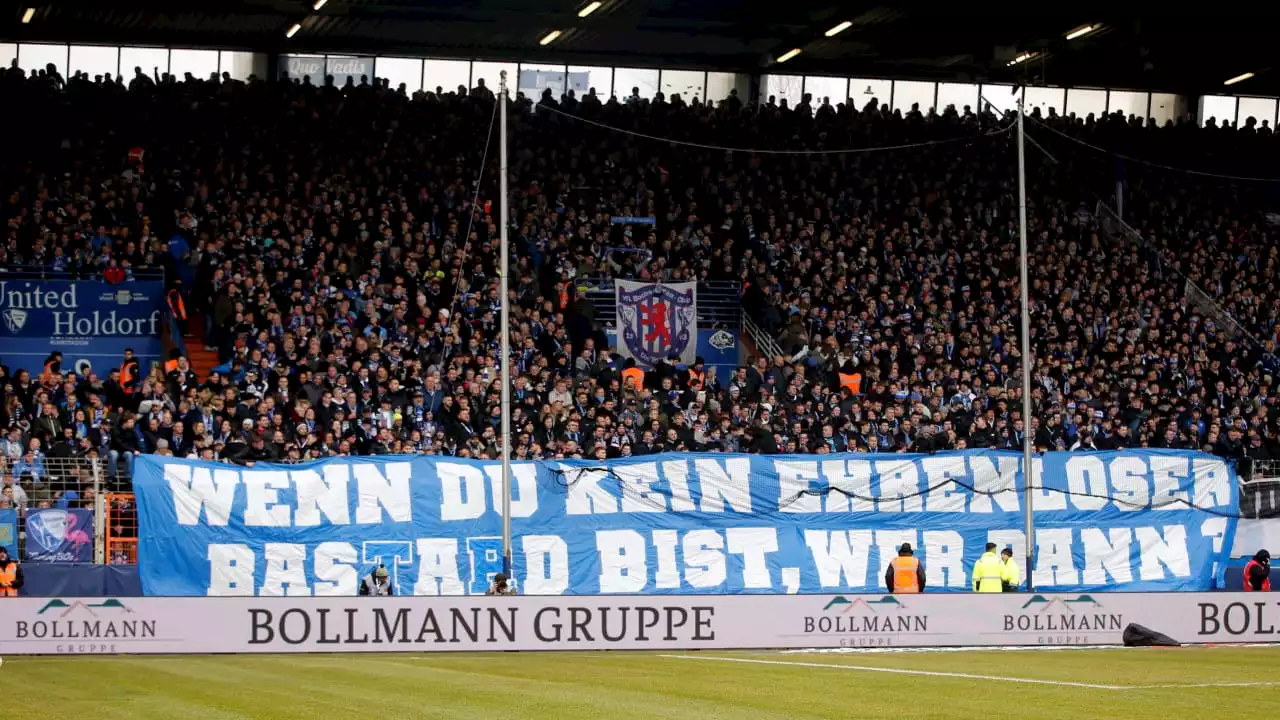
(14, 319)
(656, 321)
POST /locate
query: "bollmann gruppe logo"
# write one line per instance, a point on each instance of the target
(866, 621)
(84, 625)
(63, 608)
(1064, 619)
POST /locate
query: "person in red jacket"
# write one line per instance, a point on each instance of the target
(1257, 573)
(114, 274)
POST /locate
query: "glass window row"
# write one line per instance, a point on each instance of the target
(1238, 111)
(534, 78)
(113, 60)
(905, 95)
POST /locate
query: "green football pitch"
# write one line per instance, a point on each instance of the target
(1111, 683)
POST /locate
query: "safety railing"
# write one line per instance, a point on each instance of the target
(1259, 487)
(45, 272)
(719, 303)
(763, 341)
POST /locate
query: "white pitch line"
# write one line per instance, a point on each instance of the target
(900, 671)
(1204, 685)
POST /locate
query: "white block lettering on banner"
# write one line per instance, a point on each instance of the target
(392, 624)
(322, 496)
(1054, 564)
(754, 545)
(438, 567)
(677, 474)
(285, 572)
(201, 488)
(262, 499)
(335, 570)
(667, 575)
(726, 487)
(547, 560)
(524, 501)
(1129, 484)
(840, 556)
(704, 559)
(231, 569)
(1161, 549)
(945, 550)
(682, 523)
(622, 561)
(461, 491)
(995, 477)
(383, 490)
(1106, 555)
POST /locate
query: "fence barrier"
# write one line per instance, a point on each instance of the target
(121, 529)
(33, 481)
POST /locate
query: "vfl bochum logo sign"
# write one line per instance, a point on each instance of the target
(657, 321)
(14, 319)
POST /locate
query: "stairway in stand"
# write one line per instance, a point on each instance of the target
(202, 361)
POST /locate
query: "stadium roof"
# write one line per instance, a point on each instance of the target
(1187, 48)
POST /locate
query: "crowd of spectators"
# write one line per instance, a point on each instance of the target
(343, 244)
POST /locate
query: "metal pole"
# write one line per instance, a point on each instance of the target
(1027, 434)
(99, 514)
(505, 323)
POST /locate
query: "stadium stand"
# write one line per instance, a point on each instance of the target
(342, 242)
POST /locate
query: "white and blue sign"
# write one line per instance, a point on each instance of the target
(657, 321)
(9, 531)
(87, 321)
(63, 536)
(680, 523)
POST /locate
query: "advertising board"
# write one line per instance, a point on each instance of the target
(415, 624)
(89, 322)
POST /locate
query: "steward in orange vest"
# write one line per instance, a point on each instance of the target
(905, 573)
(10, 575)
(634, 374)
(129, 372)
(1257, 573)
(176, 306)
(850, 379)
(52, 368)
(698, 375)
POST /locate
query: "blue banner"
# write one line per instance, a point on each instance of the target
(680, 523)
(9, 531)
(63, 536)
(87, 321)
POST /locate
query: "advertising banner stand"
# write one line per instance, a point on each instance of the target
(714, 622)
